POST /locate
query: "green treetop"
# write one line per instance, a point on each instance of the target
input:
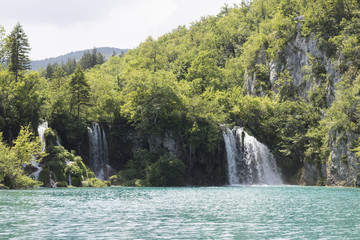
(17, 47)
(80, 90)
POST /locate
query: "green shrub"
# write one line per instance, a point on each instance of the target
(75, 181)
(93, 182)
(62, 184)
(24, 182)
(57, 168)
(115, 180)
(50, 137)
(167, 171)
(44, 176)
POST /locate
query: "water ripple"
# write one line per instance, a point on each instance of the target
(181, 213)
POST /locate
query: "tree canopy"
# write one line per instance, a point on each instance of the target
(17, 49)
(187, 82)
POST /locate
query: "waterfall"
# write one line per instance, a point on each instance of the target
(99, 155)
(41, 131)
(249, 161)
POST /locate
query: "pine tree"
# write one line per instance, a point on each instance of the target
(90, 59)
(18, 48)
(80, 90)
(85, 60)
(100, 59)
(49, 71)
(70, 66)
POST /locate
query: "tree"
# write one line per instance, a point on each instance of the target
(80, 90)
(49, 71)
(90, 59)
(2, 45)
(70, 66)
(167, 171)
(100, 59)
(152, 101)
(17, 47)
(12, 159)
(58, 75)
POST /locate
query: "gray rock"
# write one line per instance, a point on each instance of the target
(311, 175)
(166, 141)
(295, 58)
(342, 165)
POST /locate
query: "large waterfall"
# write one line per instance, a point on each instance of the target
(99, 156)
(249, 161)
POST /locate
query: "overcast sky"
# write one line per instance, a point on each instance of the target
(56, 27)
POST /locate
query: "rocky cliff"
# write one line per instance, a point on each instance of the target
(310, 68)
(342, 167)
(306, 64)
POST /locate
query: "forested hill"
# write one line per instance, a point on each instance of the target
(287, 71)
(105, 51)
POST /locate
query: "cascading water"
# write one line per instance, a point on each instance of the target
(99, 156)
(41, 131)
(249, 161)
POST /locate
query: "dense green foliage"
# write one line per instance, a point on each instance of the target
(191, 80)
(25, 149)
(64, 168)
(151, 169)
(17, 48)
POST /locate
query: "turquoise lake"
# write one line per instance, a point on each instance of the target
(256, 212)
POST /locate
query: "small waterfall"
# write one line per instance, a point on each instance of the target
(37, 172)
(249, 161)
(41, 131)
(52, 181)
(99, 155)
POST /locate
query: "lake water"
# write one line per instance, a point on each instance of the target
(256, 212)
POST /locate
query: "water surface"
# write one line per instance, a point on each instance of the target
(256, 212)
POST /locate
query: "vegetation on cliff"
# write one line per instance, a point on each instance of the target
(219, 70)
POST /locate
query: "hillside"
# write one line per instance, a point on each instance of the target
(287, 72)
(106, 51)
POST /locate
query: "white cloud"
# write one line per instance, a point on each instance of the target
(59, 27)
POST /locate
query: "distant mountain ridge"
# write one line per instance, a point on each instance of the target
(106, 51)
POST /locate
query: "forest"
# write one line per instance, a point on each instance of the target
(285, 70)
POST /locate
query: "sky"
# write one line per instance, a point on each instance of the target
(57, 27)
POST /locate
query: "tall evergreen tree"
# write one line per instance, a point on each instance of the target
(90, 59)
(49, 71)
(70, 66)
(80, 90)
(18, 48)
(85, 60)
(100, 59)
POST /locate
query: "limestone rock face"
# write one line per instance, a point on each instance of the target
(342, 165)
(251, 84)
(303, 58)
(342, 168)
(167, 141)
(294, 59)
(312, 175)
